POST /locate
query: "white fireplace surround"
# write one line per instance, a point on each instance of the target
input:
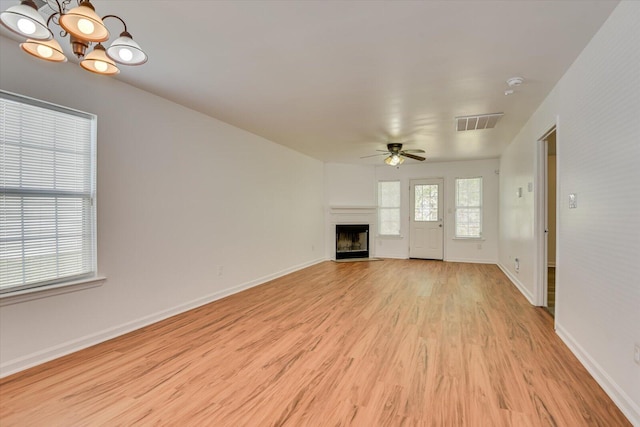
(345, 215)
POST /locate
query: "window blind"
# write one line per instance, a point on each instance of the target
(468, 207)
(47, 194)
(389, 208)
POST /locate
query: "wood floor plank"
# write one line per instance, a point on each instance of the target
(391, 343)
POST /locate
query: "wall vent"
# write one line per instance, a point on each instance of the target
(478, 122)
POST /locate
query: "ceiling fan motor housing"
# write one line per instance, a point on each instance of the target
(394, 147)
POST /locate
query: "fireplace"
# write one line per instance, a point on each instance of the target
(352, 241)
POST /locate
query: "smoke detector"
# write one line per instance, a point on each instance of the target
(515, 81)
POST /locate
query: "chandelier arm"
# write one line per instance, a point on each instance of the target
(58, 5)
(118, 18)
(61, 6)
(55, 19)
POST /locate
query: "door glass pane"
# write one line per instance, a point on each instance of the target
(426, 202)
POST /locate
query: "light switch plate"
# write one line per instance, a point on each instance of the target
(573, 201)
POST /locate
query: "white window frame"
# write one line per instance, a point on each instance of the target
(395, 208)
(460, 206)
(66, 282)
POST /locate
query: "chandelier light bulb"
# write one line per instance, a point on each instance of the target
(44, 51)
(125, 54)
(86, 26)
(101, 66)
(26, 26)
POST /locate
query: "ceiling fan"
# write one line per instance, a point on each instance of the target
(396, 154)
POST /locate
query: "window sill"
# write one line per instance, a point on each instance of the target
(49, 291)
(472, 239)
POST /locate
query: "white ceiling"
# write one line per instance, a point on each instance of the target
(337, 79)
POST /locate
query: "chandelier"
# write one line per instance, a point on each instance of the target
(83, 26)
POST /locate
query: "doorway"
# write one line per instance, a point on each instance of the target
(548, 213)
(426, 225)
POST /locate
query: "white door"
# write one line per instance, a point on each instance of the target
(425, 224)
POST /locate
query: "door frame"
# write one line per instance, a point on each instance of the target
(442, 211)
(540, 216)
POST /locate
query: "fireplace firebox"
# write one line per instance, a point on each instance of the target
(352, 241)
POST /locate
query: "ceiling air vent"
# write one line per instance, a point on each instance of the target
(481, 121)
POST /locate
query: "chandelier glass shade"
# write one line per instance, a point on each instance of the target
(98, 62)
(84, 23)
(49, 50)
(25, 20)
(126, 50)
(83, 26)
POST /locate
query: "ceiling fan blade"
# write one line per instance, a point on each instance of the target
(375, 155)
(411, 156)
(417, 150)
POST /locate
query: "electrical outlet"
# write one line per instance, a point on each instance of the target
(516, 263)
(636, 354)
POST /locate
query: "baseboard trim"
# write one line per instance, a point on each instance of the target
(37, 358)
(628, 407)
(392, 256)
(471, 261)
(524, 291)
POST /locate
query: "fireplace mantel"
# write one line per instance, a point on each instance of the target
(339, 208)
(344, 215)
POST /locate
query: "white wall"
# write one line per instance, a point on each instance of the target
(180, 195)
(349, 185)
(485, 251)
(596, 105)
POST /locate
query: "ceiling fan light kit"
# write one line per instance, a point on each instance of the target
(83, 26)
(394, 160)
(396, 155)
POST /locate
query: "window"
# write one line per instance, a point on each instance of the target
(47, 194)
(425, 202)
(468, 207)
(389, 208)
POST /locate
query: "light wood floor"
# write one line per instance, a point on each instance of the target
(391, 343)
